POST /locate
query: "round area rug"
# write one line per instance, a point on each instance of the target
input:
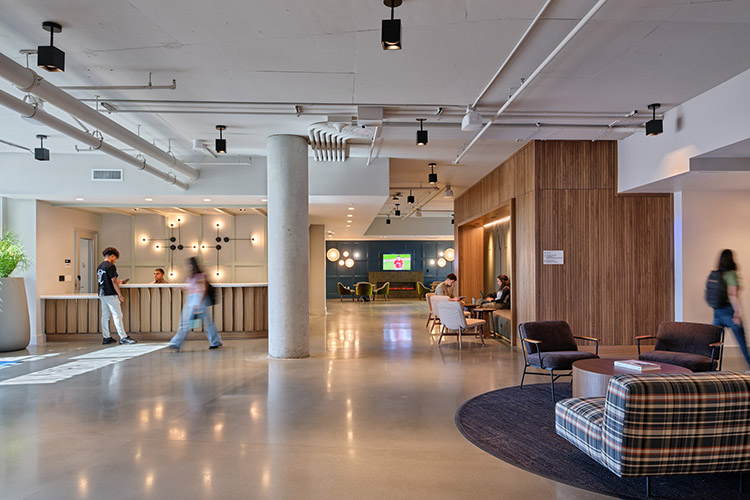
(518, 427)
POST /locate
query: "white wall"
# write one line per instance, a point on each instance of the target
(709, 121)
(711, 222)
(241, 260)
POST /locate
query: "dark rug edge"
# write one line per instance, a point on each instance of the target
(516, 465)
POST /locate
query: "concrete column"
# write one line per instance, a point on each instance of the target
(317, 270)
(288, 248)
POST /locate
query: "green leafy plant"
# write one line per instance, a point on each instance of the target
(12, 255)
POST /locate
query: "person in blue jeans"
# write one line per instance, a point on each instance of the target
(197, 306)
(730, 315)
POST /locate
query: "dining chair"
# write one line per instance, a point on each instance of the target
(455, 323)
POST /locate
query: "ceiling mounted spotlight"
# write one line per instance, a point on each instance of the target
(395, 196)
(41, 153)
(654, 126)
(448, 193)
(221, 143)
(432, 177)
(410, 198)
(421, 133)
(397, 213)
(452, 219)
(391, 28)
(388, 219)
(418, 213)
(50, 57)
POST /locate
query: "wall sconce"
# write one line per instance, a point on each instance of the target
(349, 263)
(345, 253)
(341, 263)
(441, 262)
(449, 254)
(332, 254)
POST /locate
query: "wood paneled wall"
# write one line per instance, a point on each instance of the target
(617, 279)
(153, 313)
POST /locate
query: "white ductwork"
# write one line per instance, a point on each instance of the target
(28, 81)
(32, 112)
(330, 141)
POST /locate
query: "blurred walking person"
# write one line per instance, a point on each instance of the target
(197, 307)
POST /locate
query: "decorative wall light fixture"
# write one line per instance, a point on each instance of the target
(432, 177)
(654, 126)
(50, 57)
(391, 28)
(221, 143)
(349, 263)
(41, 153)
(449, 254)
(332, 254)
(441, 262)
(421, 133)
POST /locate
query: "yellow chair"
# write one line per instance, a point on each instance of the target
(345, 291)
(383, 290)
(363, 290)
(422, 290)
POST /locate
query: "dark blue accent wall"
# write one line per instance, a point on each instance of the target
(370, 258)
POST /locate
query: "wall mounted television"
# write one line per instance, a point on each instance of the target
(396, 262)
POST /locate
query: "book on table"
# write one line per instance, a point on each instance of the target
(637, 365)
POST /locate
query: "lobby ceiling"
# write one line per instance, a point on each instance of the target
(264, 68)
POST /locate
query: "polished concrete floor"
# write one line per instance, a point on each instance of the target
(368, 415)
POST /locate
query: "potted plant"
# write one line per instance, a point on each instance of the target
(14, 311)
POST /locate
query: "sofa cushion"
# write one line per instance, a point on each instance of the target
(694, 362)
(559, 360)
(658, 424)
(579, 420)
(687, 337)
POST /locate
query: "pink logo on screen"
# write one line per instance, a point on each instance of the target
(398, 263)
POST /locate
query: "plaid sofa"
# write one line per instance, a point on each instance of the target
(661, 424)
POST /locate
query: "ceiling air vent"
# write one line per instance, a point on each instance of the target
(106, 174)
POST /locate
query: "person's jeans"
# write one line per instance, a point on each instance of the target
(723, 317)
(111, 307)
(202, 311)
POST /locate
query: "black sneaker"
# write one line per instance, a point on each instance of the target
(108, 340)
(128, 340)
(215, 346)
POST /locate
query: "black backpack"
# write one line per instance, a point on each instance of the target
(211, 293)
(716, 290)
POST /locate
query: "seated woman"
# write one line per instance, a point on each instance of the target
(502, 297)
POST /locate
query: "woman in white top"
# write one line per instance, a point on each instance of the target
(197, 306)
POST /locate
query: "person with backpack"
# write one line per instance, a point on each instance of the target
(197, 307)
(722, 293)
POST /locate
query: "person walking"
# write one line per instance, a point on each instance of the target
(110, 296)
(729, 315)
(197, 306)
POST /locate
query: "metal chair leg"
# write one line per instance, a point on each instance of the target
(523, 375)
(552, 383)
(648, 488)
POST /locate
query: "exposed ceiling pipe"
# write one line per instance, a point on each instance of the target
(421, 203)
(533, 75)
(16, 146)
(33, 112)
(372, 145)
(150, 86)
(28, 81)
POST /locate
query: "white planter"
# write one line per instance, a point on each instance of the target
(14, 315)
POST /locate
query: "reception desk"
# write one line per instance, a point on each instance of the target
(152, 312)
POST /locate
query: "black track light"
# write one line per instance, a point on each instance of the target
(50, 57)
(451, 218)
(388, 220)
(221, 143)
(654, 126)
(397, 213)
(391, 28)
(432, 178)
(410, 198)
(421, 133)
(41, 153)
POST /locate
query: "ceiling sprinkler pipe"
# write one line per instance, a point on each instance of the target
(28, 81)
(28, 110)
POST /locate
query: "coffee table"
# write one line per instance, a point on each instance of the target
(591, 376)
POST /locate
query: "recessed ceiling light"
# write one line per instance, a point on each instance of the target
(79, 199)
(206, 199)
(351, 208)
(243, 209)
(264, 199)
(149, 199)
(349, 215)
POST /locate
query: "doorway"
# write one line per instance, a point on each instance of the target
(85, 261)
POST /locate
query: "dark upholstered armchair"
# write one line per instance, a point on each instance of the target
(696, 346)
(551, 346)
(343, 290)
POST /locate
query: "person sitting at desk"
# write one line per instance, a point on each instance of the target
(158, 276)
(446, 288)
